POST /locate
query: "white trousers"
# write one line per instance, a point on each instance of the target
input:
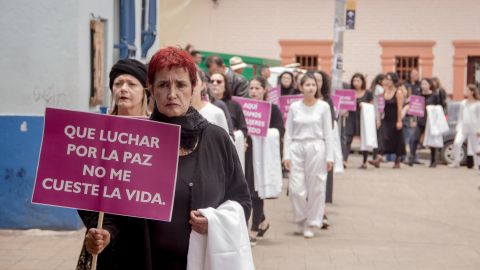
(308, 180)
(472, 144)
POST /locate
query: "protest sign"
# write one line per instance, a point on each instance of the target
(273, 95)
(381, 103)
(106, 163)
(348, 100)
(257, 115)
(284, 104)
(417, 106)
(336, 104)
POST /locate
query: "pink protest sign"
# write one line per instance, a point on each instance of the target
(273, 95)
(336, 104)
(417, 106)
(112, 164)
(284, 104)
(257, 115)
(348, 101)
(381, 103)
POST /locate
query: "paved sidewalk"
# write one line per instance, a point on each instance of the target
(413, 218)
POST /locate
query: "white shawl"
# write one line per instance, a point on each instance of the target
(368, 129)
(240, 147)
(337, 150)
(436, 126)
(267, 165)
(226, 245)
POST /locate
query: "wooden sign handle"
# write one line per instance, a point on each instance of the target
(99, 226)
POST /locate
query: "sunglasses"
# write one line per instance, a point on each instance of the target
(216, 81)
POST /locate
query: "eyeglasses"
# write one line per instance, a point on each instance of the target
(216, 81)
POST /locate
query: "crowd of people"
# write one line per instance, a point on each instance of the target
(211, 172)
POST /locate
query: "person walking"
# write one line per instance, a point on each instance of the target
(391, 134)
(308, 154)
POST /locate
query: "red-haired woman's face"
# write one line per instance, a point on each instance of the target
(172, 91)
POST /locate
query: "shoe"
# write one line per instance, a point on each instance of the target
(363, 166)
(375, 162)
(325, 223)
(433, 165)
(300, 228)
(410, 163)
(261, 232)
(253, 241)
(308, 233)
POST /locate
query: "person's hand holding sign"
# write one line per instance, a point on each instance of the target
(96, 240)
(199, 223)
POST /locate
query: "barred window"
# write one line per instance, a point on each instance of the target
(405, 64)
(308, 62)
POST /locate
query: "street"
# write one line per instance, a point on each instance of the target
(412, 218)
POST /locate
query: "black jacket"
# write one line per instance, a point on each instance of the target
(237, 84)
(220, 179)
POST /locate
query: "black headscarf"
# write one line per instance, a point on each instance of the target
(192, 124)
(129, 66)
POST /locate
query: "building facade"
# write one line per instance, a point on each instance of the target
(441, 38)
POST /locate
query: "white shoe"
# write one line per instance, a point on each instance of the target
(308, 233)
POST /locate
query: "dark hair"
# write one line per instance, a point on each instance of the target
(263, 67)
(429, 81)
(279, 81)
(310, 75)
(436, 82)
(227, 95)
(204, 79)
(325, 89)
(263, 84)
(474, 89)
(361, 77)
(394, 77)
(377, 81)
(194, 53)
(214, 59)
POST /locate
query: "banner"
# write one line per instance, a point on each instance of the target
(417, 106)
(348, 100)
(336, 104)
(284, 104)
(381, 103)
(273, 95)
(257, 115)
(112, 164)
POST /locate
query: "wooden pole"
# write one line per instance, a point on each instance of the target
(99, 226)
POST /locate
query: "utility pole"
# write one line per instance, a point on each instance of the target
(337, 70)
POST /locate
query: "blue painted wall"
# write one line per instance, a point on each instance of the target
(20, 140)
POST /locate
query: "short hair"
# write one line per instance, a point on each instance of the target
(214, 59)
(194, 53)
(228, 92)
(310, 75)
(169, 58)
(262, 67)
(204, 79)
(361, 77)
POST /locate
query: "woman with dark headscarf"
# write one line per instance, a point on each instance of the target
(128, 83)
(391, 133)
(209, 174)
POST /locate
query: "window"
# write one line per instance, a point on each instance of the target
(308, 62)
(97, 69)
(404, 64)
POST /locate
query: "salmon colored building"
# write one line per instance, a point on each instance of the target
(439, 38)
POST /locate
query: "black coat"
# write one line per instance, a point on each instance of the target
(220, 178)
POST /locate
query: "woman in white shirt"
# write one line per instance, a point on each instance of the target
(468, 126)
(308, 154)
(212, 113)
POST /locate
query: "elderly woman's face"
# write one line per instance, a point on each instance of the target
(172, 91)
(217, 85)
(127, 92)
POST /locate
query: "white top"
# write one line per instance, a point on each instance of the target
(214, 115)
(469, 117)
(306, 123)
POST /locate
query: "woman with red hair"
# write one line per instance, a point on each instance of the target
(209, 174)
